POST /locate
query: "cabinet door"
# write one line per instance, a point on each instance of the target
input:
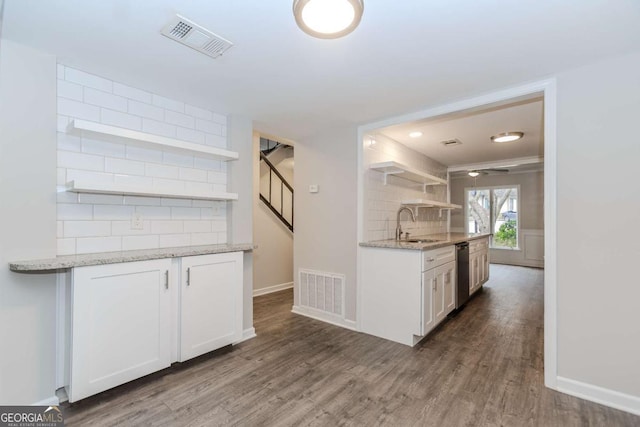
(428, 286)
(447, 277)
(211, 303)
(485, 266)
(438, 295)
(474, 272)
(120, 324)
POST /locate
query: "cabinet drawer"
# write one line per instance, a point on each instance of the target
(478, 245)
(437, 257)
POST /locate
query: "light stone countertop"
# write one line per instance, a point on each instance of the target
(444, 239)
(70, 261)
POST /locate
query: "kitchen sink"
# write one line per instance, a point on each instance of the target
(421, 241)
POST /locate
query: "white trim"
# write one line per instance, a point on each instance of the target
(60, 327)
(272, 289)
(526, 91)
(49, 401)
(247, 334)
(324, 317)
(614, 399)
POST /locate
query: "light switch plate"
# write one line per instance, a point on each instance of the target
(313, 188)
(136, 221)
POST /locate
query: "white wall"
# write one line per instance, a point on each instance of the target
(27, 223)
(101, 223)
(531, 215)
(598, 252)
(383, 201)
(273, 256)
(325, 224)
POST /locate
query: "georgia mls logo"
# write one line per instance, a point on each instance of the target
(31, 416)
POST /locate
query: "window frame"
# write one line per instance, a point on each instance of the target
(492, 221)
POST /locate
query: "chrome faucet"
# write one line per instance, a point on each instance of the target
(398, 226)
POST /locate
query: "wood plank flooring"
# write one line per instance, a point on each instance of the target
(483, 367)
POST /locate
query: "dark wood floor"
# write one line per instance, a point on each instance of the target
(482, 368)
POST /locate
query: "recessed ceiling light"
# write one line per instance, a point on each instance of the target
(474, 174)
(328, 19)
(507, 136)
(416, 134)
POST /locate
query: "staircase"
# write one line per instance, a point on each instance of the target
(275, 191)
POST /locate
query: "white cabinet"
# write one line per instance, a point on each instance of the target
(478, 263)
(134, 318)
(211, 303)
(406, 293)
(121, 324)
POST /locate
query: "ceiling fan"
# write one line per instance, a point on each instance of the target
(474, 173)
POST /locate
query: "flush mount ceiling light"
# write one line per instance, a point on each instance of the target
(416, 134)
(328, 19)
(507, 136)
(474, 174)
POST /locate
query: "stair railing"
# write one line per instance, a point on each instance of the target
(278, 211)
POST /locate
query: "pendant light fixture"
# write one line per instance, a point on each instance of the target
(328, 19)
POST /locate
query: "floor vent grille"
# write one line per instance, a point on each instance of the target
(322, 291)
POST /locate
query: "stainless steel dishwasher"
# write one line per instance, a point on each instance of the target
(462, 269)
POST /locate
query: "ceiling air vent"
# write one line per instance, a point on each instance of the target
(196, 37)
(450, 142)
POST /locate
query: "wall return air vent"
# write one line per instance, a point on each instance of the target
(196, 37)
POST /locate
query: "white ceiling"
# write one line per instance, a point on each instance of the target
(405, 56)
(474, 130)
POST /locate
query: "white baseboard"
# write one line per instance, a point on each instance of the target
(611, 398)
(247, 334)
(324, 317)
(50, 401)
(272, 289)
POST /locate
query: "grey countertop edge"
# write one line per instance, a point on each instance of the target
(70, 261)
(445, 239)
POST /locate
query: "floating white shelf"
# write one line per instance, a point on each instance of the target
(422, 203)
(406, 172)
(153, 141)
(128, 190)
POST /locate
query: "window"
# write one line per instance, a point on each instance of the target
(494, 210)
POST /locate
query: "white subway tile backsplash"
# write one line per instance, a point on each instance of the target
(191, 135)
(204, 239)
(144, 154)
(130, 243)
(197, 226)
(199, 113)
(176, 202)
(174, 240)
(74, 160)
(190, 174)
(222, 238)
(185, 213)
(167, 227)
(167, 103)
(123, 228)
(103, 148)
(69, 90)
(66, 246)
(122, 166)
(199, 187)
(90, 223)
(159, 128)
(86, 79)
(161, 171)
(89, 245)
(87, 228)
(74, 211)
(78, 110)
(112, 212)
(177, 159)
(133, 181)
(179, 119)
(104, 99)
(131, 93)
(145, 110)
(154, 212)
(123, 120)
(209, 127)
(218, 141)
